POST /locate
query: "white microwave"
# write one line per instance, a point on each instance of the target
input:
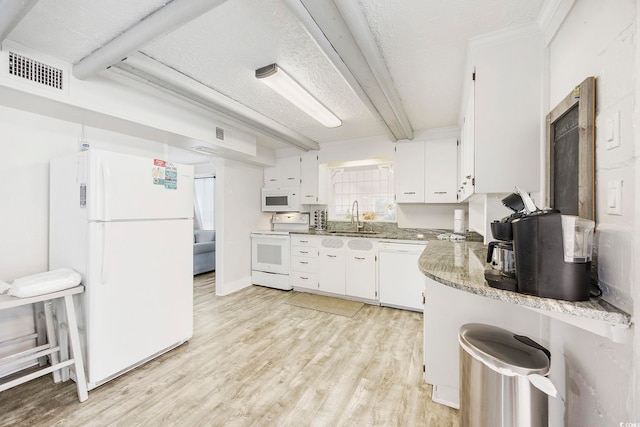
(285, 199)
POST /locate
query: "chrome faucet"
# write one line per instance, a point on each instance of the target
(359, 227)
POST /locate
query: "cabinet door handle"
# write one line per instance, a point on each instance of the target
(468, 176)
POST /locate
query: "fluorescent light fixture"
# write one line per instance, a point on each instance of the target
(277, 79)
(206, 150)
(340, 29)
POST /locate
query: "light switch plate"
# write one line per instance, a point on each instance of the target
(614, 198)
(612, 131)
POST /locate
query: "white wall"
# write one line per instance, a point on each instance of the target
(601, 380)
(28, 142)
(408, 215)
(237, 213)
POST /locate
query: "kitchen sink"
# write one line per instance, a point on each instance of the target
(354, 233)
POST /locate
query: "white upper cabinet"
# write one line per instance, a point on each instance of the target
(286, 173)
(441, 171)
(408, 171)
(309, 187)
(506, 113)
(465, 152)
(426, 171)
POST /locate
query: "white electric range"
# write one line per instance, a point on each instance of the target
(270, 250)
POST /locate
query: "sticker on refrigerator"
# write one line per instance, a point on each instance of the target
(171, 177)
(158, 171)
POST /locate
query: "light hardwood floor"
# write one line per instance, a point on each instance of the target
(255, 360)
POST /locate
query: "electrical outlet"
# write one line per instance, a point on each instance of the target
(614, 198)
(612, 131)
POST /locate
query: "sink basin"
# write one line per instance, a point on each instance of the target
(354, 233)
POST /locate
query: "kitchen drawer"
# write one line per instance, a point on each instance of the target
(304, 264)
(303, 240)
(304, 251)
(303, 280)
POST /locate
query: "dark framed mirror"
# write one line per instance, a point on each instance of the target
(571, 152)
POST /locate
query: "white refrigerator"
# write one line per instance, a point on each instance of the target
(125, 223)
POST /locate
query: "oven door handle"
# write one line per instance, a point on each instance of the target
(270, 236)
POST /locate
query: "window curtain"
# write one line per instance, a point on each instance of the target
(203, 218)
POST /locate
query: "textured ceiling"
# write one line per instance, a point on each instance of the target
(422, 42)
(223, 48)
(424, 47)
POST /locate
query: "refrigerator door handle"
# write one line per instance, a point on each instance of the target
(105, 175)
(105, 252)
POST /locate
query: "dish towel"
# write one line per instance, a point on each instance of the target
(45, 283)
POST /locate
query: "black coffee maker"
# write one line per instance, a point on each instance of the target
(500, 255)
(553, 255)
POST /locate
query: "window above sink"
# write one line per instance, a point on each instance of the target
(370, 182)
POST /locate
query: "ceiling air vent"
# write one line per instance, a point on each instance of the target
(35, 71)
(220, 133)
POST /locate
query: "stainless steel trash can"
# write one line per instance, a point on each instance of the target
(494, 388)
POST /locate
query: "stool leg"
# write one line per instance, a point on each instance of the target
(76, 351)
(63, 338)
(41, 329)
(51, 338)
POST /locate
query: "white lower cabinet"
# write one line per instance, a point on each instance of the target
(335, 265)
(304, 261)
(331, 264)
(361, 265)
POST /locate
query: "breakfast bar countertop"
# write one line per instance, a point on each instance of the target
(461, 265)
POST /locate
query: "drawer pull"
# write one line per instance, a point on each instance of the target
(304, 252)
(332, 256)
(409, 192)
(304, 241)
(304, 278)
(304, 262)
(359, 257)
(439, 192)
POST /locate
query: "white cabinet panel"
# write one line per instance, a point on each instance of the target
(304, 261)
(361, 268)
(309, 186)
(331, 274)
(408, 172)
(306, 280)
(441, 172)
(272, 177)
(507, 115)
(286, 173)
(306, 264)
(426, 171)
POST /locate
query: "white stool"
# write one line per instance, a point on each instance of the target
(51, 348)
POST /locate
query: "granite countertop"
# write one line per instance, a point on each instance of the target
(386, 232)
(461, 265)
(401, 234)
